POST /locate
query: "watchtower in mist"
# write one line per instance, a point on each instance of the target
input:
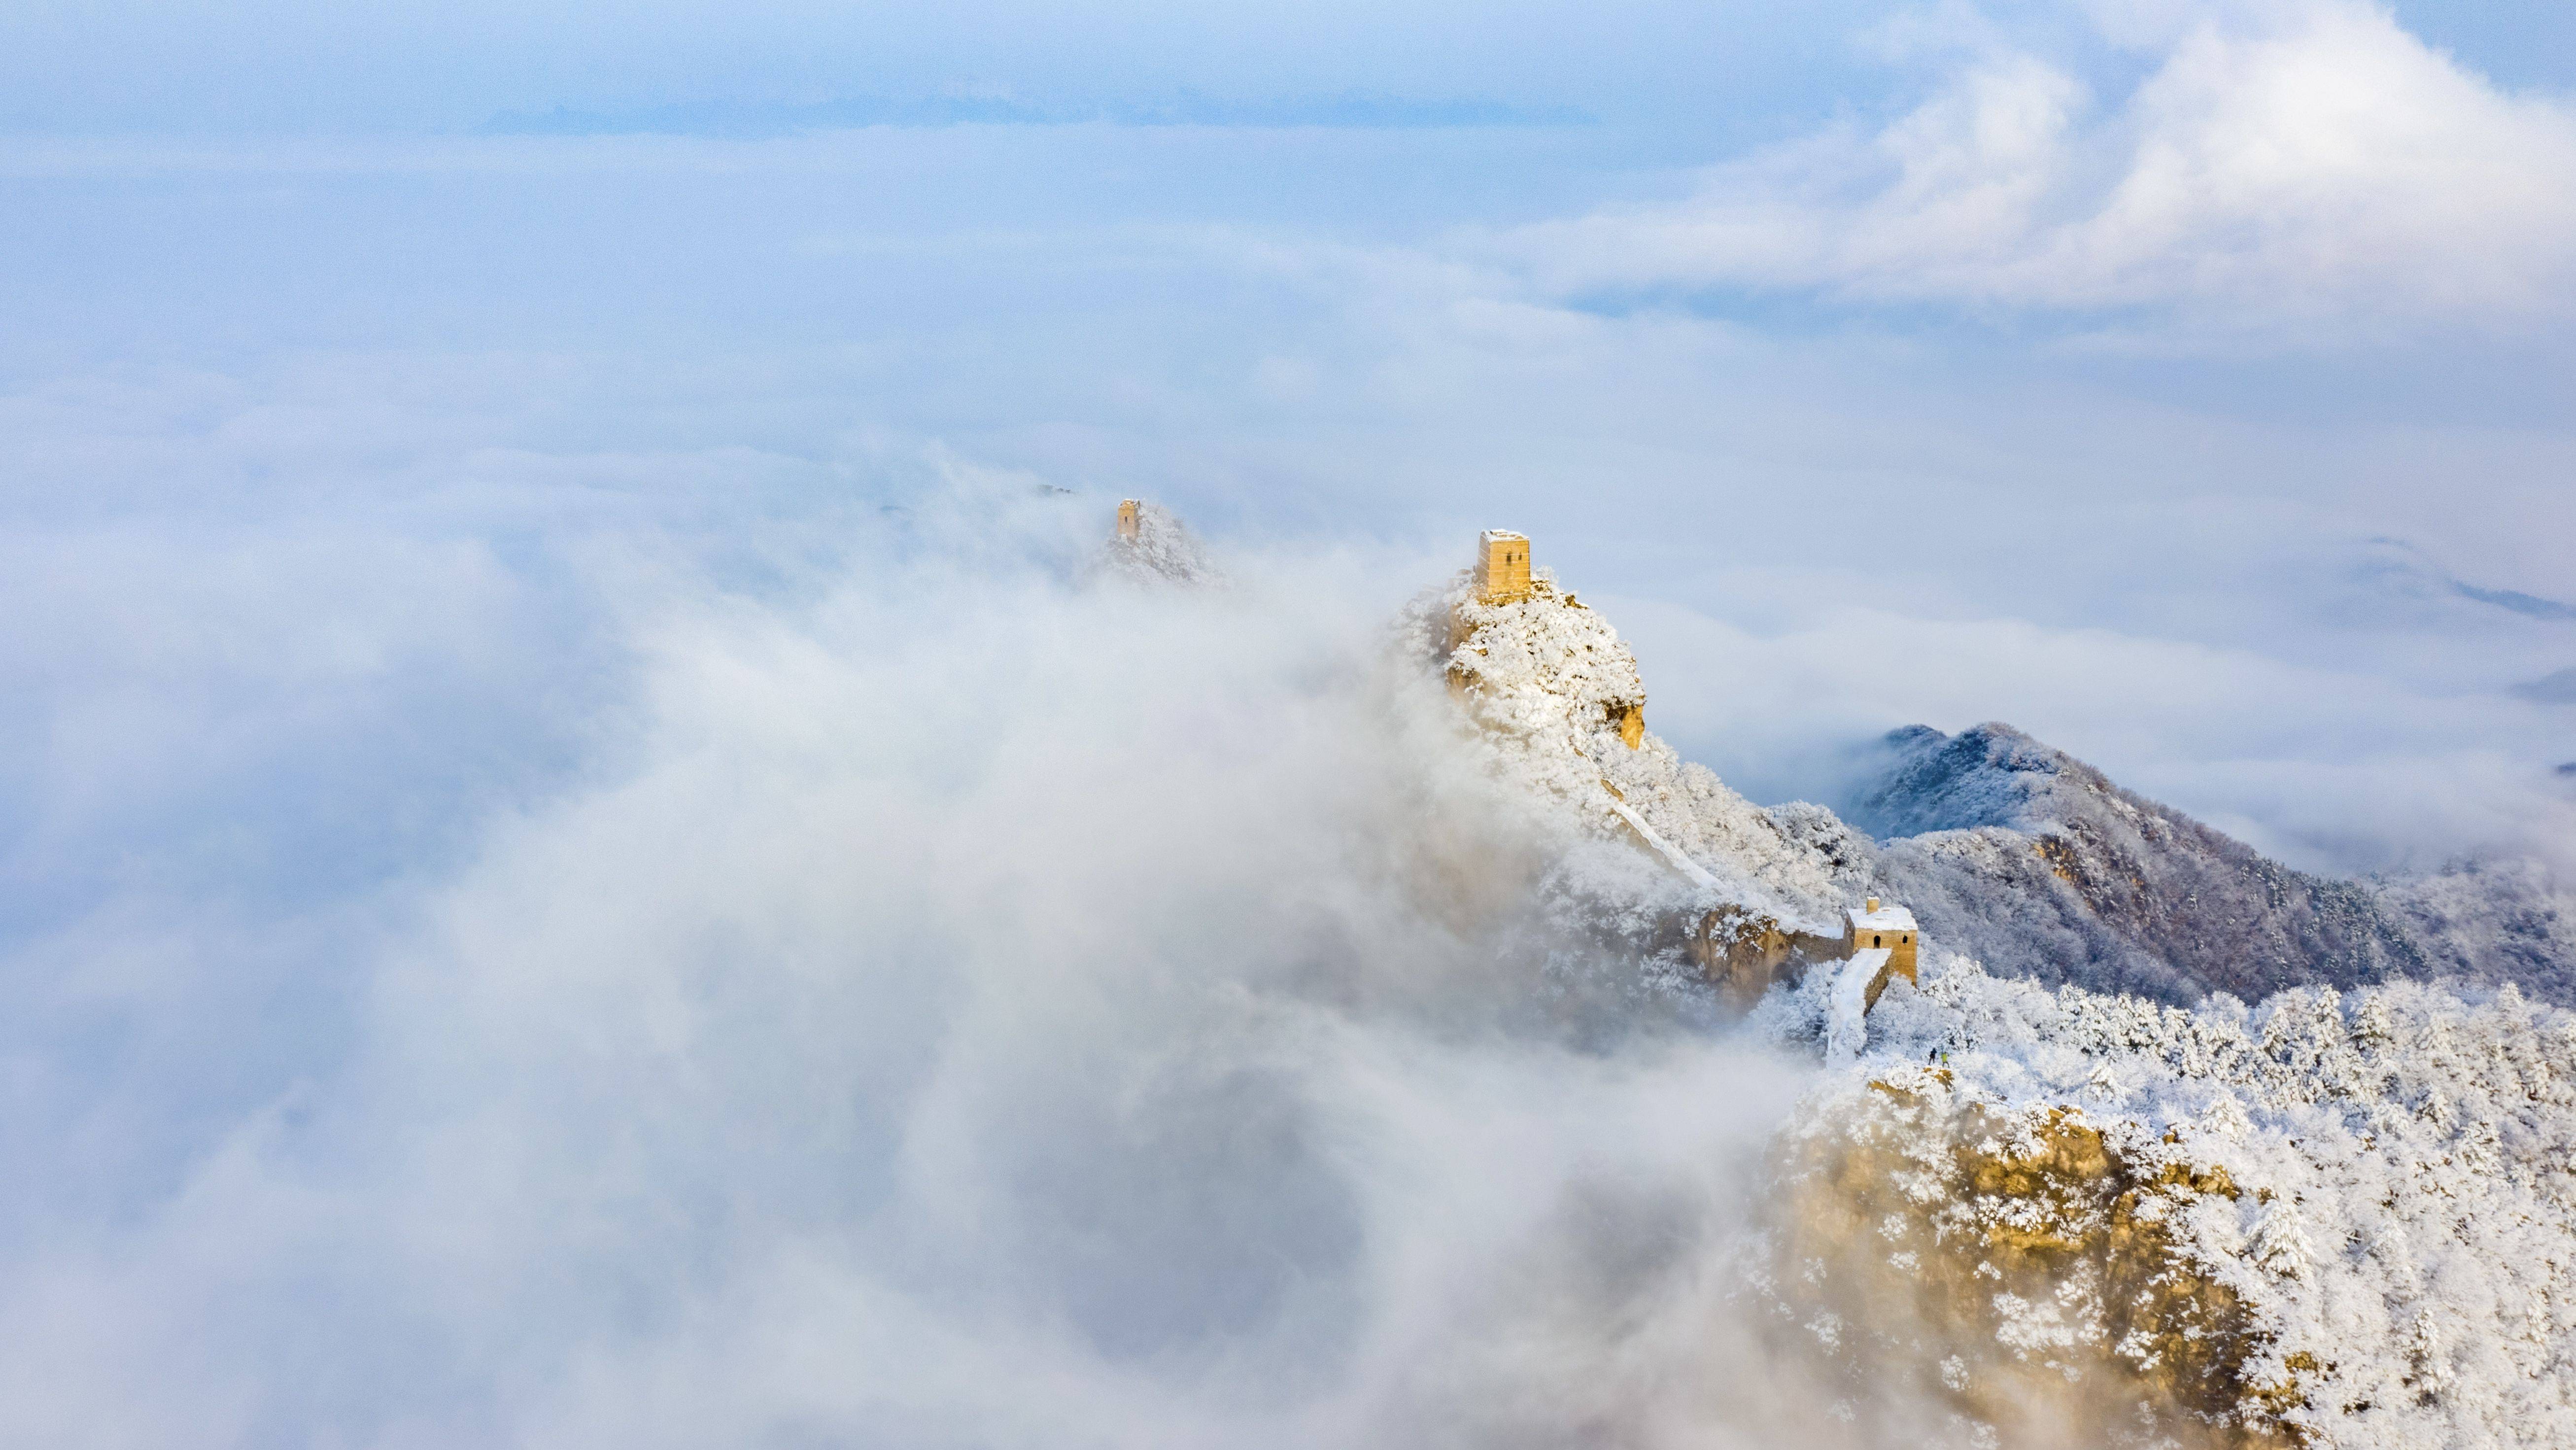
(1130, 520)
(1502, 567)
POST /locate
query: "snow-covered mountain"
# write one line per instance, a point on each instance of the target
(2328, 1219)
(2037, 864)
(2033, 861)
(2005, 848)
(2071, 1188)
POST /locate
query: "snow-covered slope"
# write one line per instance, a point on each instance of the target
(2036, 863)
(2007, 849)
(1157, 545)
(1545, 680)
(2071, 1189)
(2493, 922)
(2343, 1218)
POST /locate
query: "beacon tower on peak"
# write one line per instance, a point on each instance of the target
(1502, 567)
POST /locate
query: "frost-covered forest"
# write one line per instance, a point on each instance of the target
(2196, 1145)
(2386, 1184)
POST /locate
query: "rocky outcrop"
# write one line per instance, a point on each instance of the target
(1742, 951)
(2038, 1254)
(2344, 1216)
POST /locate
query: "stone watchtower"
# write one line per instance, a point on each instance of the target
(1502, 567)
(1873, 927)
(1130, 520)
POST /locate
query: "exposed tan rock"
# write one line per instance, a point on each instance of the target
(2017, 1270)
(1628, 717)
(1741, 952)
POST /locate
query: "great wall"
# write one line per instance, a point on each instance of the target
(1742, 948)
(2086, 1188)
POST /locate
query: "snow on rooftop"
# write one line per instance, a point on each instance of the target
(1886, 918)
(1500, 536)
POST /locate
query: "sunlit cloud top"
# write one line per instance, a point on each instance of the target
(2307, 166)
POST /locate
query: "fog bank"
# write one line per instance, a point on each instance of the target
(967, 1001)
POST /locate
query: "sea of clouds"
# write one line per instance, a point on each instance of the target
(956, 1000)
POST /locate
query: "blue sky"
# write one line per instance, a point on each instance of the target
(1740, 69)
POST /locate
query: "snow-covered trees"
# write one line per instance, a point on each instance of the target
(2398, 1221)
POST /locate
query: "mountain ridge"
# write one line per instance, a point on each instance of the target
(2009, 850)
(2149, 896)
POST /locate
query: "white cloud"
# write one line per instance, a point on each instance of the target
(969, 1010)
(2277, 164)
